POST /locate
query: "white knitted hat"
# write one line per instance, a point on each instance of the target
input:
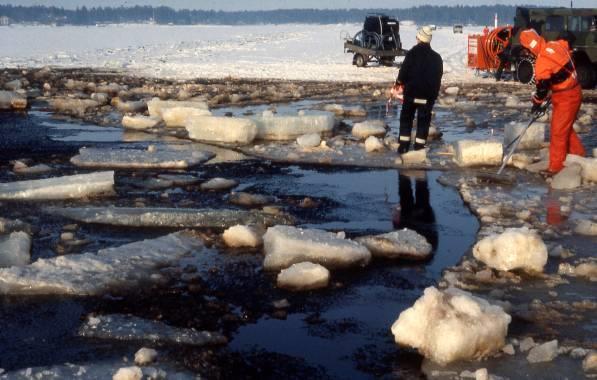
(424, 34)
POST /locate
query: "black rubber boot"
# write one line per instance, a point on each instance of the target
(419, 146)
(403, 147)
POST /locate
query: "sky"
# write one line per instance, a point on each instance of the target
(229, 5)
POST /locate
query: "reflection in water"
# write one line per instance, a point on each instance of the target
(415, 212)
(554, 210)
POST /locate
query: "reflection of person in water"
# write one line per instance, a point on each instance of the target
(415, 212)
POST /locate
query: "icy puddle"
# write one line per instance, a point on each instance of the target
(345, 330)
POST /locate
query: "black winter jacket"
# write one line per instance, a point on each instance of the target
(421, 73)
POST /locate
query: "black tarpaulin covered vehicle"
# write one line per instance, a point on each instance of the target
(378, 41)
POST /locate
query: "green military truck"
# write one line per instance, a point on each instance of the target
(578, 25)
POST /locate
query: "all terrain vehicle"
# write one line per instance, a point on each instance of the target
(378, 41)
(577, 25)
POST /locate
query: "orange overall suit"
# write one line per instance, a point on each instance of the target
(554, 70)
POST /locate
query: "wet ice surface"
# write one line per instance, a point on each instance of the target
(342, 331)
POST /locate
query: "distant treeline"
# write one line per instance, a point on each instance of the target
(440, 15)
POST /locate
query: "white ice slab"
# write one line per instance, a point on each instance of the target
(515, 248)
(568, 178)
(12, 100)
(532, 139)
(178, 116)
(369, 128)
(67, 187)
(446, 326)
(304, 276)
(170, 217)
(475, 153)
(15, 249)
(285, 245)
(139, 122)
(131, 328)
(231, 130)
(310, 140)
(588, 164)
(111, 269)
(292, 127)
(157, 106)
(242, 236)
(157, 157)
(73, 106)
(373, 144)
(403, 244)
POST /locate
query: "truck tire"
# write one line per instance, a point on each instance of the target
(360, 60)
(586, 74)
(525, 70)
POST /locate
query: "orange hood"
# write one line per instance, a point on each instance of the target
(532, 41)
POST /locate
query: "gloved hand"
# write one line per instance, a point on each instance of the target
(537, 109)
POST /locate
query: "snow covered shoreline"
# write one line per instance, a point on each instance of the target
(291, 52)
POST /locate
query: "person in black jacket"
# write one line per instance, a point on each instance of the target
(419, 79)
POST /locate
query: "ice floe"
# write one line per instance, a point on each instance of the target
(139, 122)
(588, 165)
(179, 116)
(450, 325)
(533, 137)
(369, 128)
(292, 127)
(108, 270)
(515, 248)
(304, 276)
(12, 100)
(154, 157)
(232, 130)
(218, 184)
(131, 328)
(66, 187)
(242, 236)
(15, 249)
(156, 106)
(286, 245)
(402, 244)
(475, 153)
(170, 217)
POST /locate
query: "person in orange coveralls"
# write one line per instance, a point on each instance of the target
(555, 71)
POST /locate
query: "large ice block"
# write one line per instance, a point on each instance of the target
(15, 249)
(130, 328)
(178, 116)
(108, 270)
(157, 106)
(292, 127)
(12, 100)
(533, 137)
(402, 244)
(232, 130)
(285, 245)
(450, 325)
(139, 122)
(170, 217)
(155, 157)
(67, 187)
(475, 153)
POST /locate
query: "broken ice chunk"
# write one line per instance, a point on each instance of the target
(131, 328)
(403, 244)
(568, 178)
(515, 248)
(221, 129)
(67, 187)
(170, 217)
(369, 128)
(15, 249)
(586, 227)
(589, 166)
(304, 276)
(373, 144)
(139, 122)
(285, 245)
(310, 140)
(473, 153)
(242, 236)
(450, 325)
(218, 184)
(178, 116)
(108, 270)
(12, 100)
(157, 106)
(291, 127)
(159, 157)
(533, 137)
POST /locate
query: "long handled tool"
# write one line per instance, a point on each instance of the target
(514, 143)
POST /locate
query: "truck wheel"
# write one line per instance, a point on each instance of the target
(525, 70)
(586, 74)
(360, 60)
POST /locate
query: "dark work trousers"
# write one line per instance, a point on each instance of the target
(407, 115)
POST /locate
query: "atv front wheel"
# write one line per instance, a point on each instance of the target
(360, 60)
